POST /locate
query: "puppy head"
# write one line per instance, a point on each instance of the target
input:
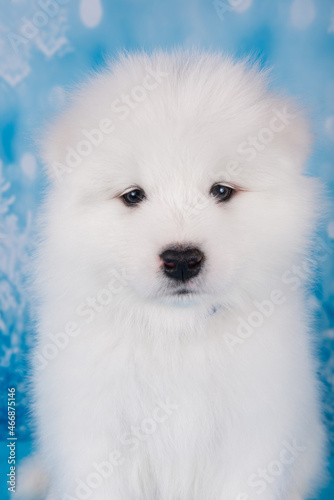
(182, 172)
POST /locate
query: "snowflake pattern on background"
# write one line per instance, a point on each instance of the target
(44, 51)
(28, 26)
(14, 316)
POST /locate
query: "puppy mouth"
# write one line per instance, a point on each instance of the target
(189, 289)
(178, 293)
(183, 291)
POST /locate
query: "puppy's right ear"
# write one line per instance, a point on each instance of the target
(59, 157)
(66, 142)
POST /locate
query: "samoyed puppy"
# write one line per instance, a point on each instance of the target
(174, 357)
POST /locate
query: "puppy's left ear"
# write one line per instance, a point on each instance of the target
(292, 133)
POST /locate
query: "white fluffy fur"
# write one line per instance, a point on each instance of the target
(235, 406)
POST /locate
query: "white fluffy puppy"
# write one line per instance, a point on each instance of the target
(174, 359)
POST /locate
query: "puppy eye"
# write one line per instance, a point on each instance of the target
(221, 193)
(133, 197)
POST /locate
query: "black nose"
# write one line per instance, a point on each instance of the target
(182, 263)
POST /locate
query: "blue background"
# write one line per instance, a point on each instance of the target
(37, 64)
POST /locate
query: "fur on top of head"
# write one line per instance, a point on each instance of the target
(174, 125)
